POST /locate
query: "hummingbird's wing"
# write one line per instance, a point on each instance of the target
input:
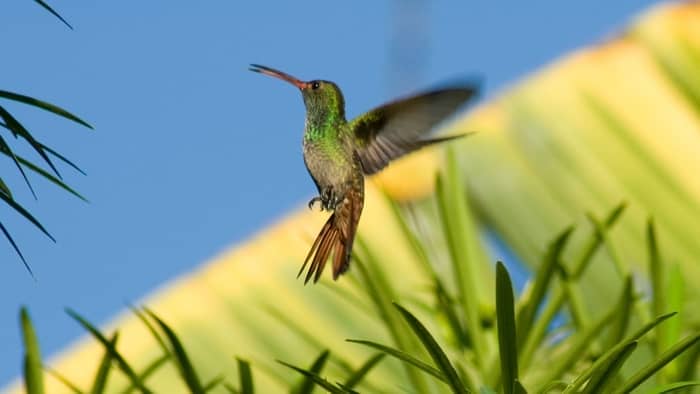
(400, 127)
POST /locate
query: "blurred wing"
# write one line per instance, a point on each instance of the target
(398, 128)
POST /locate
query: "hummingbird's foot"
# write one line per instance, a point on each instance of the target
(329, 200)
(314, 201)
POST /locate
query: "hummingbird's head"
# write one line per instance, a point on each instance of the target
(323, 99)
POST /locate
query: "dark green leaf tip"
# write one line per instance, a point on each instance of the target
(53, 12)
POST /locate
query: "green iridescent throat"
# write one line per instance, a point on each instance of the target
(325, 112)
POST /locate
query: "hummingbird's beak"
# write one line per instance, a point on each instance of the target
(278, 74)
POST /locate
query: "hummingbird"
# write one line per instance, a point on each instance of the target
(339, 154)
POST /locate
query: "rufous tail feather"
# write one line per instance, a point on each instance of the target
(335, 239)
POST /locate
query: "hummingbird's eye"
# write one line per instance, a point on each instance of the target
(315, 85)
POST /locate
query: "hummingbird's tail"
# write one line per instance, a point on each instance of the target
(336, 238)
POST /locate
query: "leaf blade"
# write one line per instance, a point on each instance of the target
(311, 377)
(33, 374)
(17, 207)
(245, 377)
(405, 357)
(354, 379)
(602, 377)
(507, 335)
(99, 383)
(435, 351)
(180, 357)
(121, 361)
(52, 11)
(314, 379)
(650, 369)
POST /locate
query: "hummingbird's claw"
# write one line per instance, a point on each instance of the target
(328, 200)
(314, 201)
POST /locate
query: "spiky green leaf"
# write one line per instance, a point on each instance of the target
(179, 356)
(604, 376)
(507, 336)
(245, 376)
(53, 12)
(118, 358)
(311, 376)
(435, 351)
(17, 207)
(355, 379)
(405, 357)
(673, 387)
(33, 374)
(650, 369)
(100, 382)
(313, 379)
(456, 221)
(18, 130)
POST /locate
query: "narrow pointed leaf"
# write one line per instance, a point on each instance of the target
(33, 374)
(62, 158)
(121, 362)
(214, 383)
(5, 148)
(690, 364)
(18, 130)
(541, 327)
(619, 328)
(405, 357)
(446, 305)
(651, 368)
(569, 293)
(673, 387)
(436, 353)
(604, 359)
(306, 385)
(5, 189)
(16, 248)
(231, 389)
(156, 335)
(455, 217)
(658, 283)
(620, 265)
(361, 372)
(596, 241)
(100, 382)
(578, 348)
(51, 10)
(72, 387)
(303, 333)
(148, 371)
(50, 177)
(313, 379)
(602, 377)
(507, 337)
(245, 377)
(26, 214)
(43, 105)
(381, 292)
(543, 277)
(675, 290)
(414, 242)
(179, 356)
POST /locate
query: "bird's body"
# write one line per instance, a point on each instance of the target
(338, 154)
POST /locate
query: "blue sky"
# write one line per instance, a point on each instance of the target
(191, 153)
